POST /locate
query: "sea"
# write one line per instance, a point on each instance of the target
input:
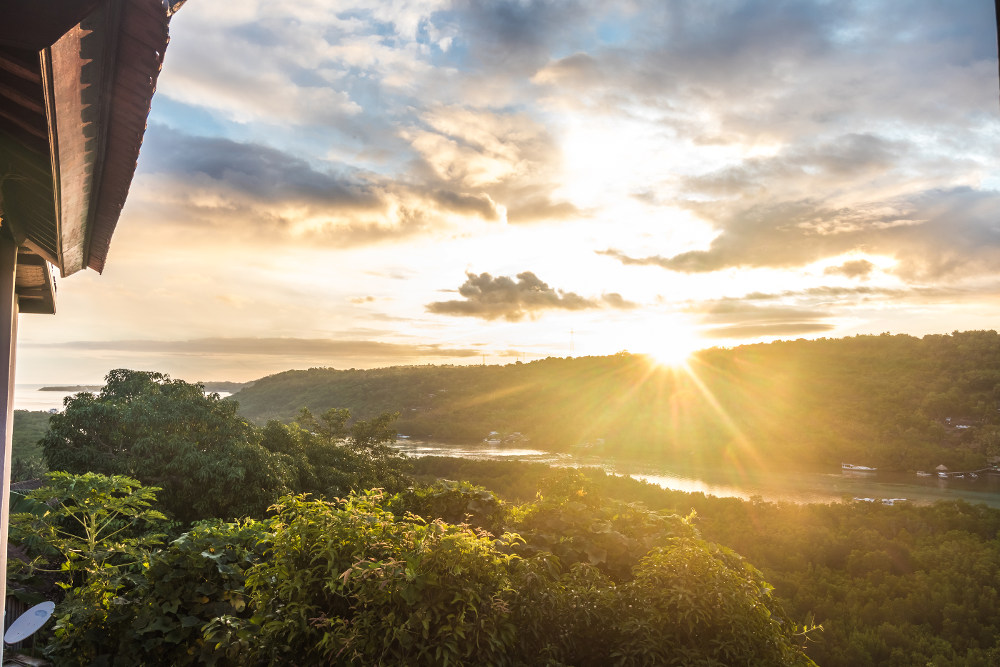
(31, 397)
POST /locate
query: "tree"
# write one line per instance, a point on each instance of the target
(93, 531)
(89, 523)
(168, 433)
(331, 458)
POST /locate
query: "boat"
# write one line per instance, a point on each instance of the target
(943, 475)
(921, 473)
(850, 466)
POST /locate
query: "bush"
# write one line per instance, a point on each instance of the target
(456, 502)
(350, 583)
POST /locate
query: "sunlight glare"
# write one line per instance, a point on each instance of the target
(668, 342)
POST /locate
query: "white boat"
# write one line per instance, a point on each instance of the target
(921, 473)
(850, 466)
(943, 475)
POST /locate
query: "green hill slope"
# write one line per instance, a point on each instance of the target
(897, 402)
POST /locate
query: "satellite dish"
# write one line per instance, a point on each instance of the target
(29, 622)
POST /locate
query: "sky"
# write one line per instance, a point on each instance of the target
(390, 182)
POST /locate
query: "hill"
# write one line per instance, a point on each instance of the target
(898, 402)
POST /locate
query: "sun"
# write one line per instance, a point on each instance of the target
(667, 342)
(671, 356)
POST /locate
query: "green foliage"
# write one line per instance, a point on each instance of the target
(27, 469)
(565, 618)
(458, 503)
(29, 427)
(198, 579)
(210, 462)
(327, 457)
(157, 614)
(350, 583)
(694, 603)
(91, 531)
(92, 524)
(26, 450)
(573, 523)
(168, 433)
(900, 585)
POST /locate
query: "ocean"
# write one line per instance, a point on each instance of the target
(29, 397)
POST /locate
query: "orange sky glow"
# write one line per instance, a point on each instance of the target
(363, 184)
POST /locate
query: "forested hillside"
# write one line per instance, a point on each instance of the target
(897, 402)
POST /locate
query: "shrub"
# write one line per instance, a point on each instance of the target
(350, 583)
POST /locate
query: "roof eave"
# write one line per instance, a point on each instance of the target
(99, 79)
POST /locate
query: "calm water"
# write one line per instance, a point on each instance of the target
(28, 397)
(834, 486)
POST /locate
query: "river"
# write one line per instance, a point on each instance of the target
(771, 486)
(835, 486)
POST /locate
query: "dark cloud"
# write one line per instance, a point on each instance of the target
(858, 268)
(502, 297)
(254, 170)
(307, 348)
(254, 189)
(514, 36)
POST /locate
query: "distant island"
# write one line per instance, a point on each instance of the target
(73, 387)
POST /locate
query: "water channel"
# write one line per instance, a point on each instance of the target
(811, 487)
(834, 486)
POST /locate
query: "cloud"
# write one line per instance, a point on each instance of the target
(737, 318)
(935, 234)
(858, 268)
(823, 135)
(616, 300)
(255, 191)
(775, 70)
(755, 329)
(515, 37)
(304, 348)
(492, 298)
(508, 156)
